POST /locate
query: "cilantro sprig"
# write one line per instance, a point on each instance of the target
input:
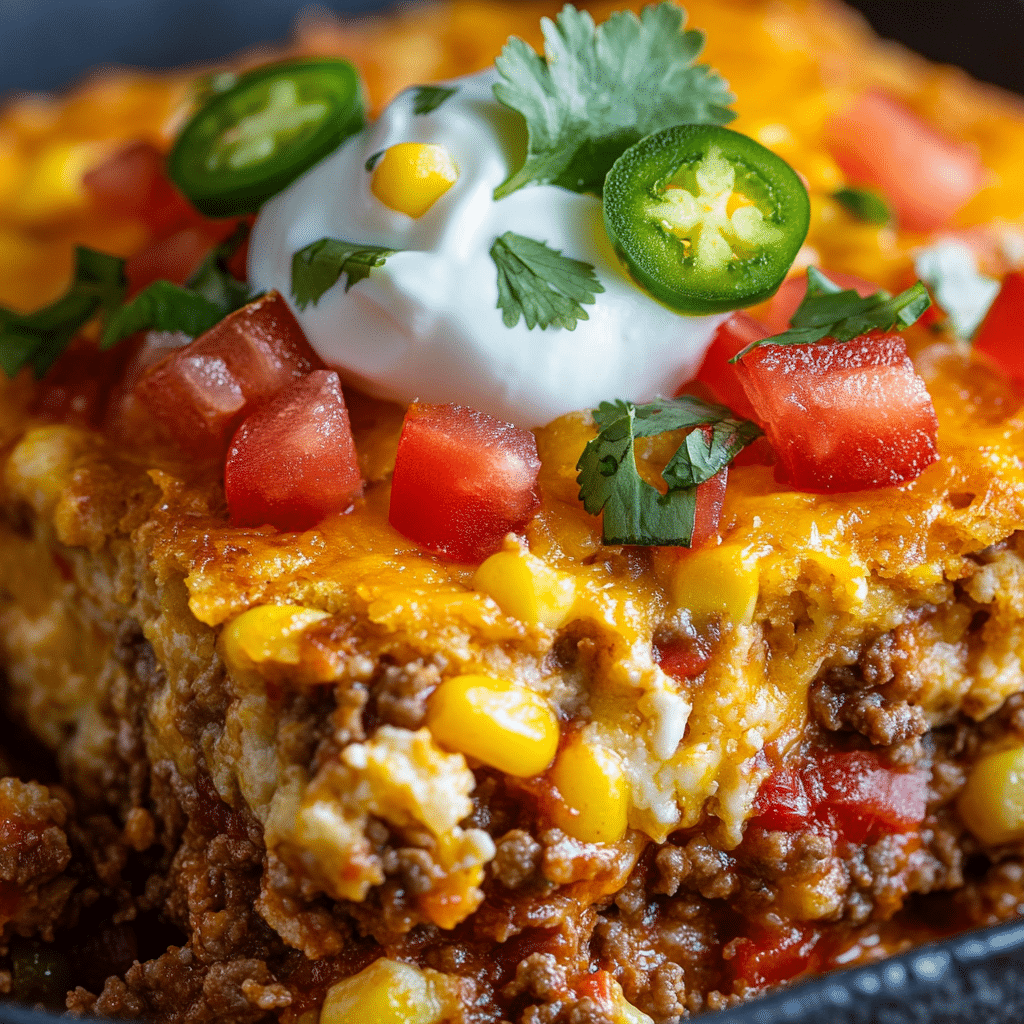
(634, 511)
(864, 204)
(98, 289)
(829, 311)
(597, 90)
(427, 98)
(319, 266)
(211, 293)
(541, 285)
(38, 339)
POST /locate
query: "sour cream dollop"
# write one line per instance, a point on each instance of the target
(426, 326)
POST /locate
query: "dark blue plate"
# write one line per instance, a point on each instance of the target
(976, 978)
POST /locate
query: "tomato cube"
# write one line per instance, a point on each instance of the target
(200, 393)
(1001, 334)
(683, 659)
(865, 799)
(925, 176)
(769, 955)
(782, 802)
(842, 416)
(293, 461)
(739, 331)
(462, 480)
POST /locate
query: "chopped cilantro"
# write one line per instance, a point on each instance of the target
(634, 511)
(541, 285)
(827, 311)
(319, 265)
(596, 91)
(210, 295)
(373, 159)
(38, 339)
(427, 98)
(864, 204)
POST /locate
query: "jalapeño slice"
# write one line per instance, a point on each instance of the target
(249, 142)
(707, 219)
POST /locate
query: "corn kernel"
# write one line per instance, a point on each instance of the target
(267, 633)
(593, 786)
(41, 465)
(717, 581)
(411, 176)
(386, 992)
(992, 802)
(527, 588)
(505, 725)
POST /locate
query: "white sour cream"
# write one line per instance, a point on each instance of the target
(426, 326)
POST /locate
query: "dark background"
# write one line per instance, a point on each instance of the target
(48, 43)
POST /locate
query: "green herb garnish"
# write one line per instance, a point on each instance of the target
(634, 511)
(541, 285)
(827, 311)
(38, 339)
(864, 204)
(427, 98)
(318, 266)
(373, 159)
(598, 90)
(210, 295)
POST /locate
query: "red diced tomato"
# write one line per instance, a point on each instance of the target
(925, 176)
(77, 388)
(462, 480)
(782, 802)
(293, 461)
(683, 659)
(777, 312)
(134, 183)
(1001, 334)
(864, 799)
(739, 331)
(201, 393)
(768, 956)
(842, 416)
(708, 513)
(598, 988)
(177, 256)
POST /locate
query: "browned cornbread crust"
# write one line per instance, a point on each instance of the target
(253, 831)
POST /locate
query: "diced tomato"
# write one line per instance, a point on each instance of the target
(927, 177)
(134, 183)
(739, 331)
(777, 312)
(293, 461)
(683, 659)
(77, 388)
(782, 802)
(1001, 334)
(599, 988)
(851, 793)
(177, 256)
(462, 480)
(842, 416)
(864, 799)
(769, 955)
(202, 392)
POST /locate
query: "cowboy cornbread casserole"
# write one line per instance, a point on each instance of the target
(340, 736)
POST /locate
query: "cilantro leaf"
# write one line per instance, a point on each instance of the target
(427, 98)
(864, 204)
(211, 293)
(541, 285)
(373, 159)
(827, 311)
(634, 511)
(599, 90)
(319, 265)
(37, 339)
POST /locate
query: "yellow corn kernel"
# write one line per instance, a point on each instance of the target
(41, 465)
(505, 725)
(411, 176)
(527, 588)
(267, 633)
(593, 786)
(717, 581)
(386, 992)
(992, 802)
(625, 1012)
